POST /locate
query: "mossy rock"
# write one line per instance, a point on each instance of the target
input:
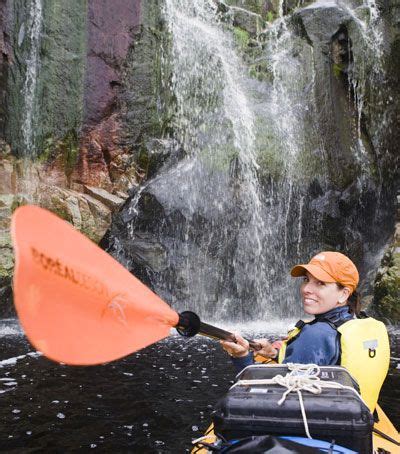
(255, 6)
(337, 70)
(242, 37)
(62, 51)
(6, 255)
(84, 212)
(252, 23)
(6, 262)
(387, 288)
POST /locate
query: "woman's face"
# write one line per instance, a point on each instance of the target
(320, 297)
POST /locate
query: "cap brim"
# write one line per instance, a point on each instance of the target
(316, 271)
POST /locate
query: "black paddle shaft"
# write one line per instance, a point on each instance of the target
(190, 324)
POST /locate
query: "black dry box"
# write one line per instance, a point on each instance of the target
(335, 414)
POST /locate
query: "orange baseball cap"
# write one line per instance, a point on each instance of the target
(330, 267)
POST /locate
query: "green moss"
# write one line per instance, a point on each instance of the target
(143, 161)
(271, 164)
(387, 289)
(58, 99)
(67, 147)
(19, 200)
(146, 100)
(269, 152)
(242, 37)
(270, 16)
(261, 71)
(337, 69)
(219, 159)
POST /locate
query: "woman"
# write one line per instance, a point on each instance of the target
(335, 336)
(328, 293)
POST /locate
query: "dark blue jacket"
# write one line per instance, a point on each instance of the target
(318, 343)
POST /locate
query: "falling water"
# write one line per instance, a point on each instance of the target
(234, 213)
(289, 109)
(366, 48)
(216, 126)
(34, 26)
(233, 199)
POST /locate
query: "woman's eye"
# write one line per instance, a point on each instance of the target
(305, 279)
(321, 283)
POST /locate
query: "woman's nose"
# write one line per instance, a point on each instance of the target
(306, 287)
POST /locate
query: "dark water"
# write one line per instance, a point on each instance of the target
(154, 401)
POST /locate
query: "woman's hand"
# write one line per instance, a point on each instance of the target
(237, 349)
(267, 350)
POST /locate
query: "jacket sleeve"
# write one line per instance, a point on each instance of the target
(241, 363)
(318, 343)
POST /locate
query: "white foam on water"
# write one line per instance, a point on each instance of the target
(12, 361)
(10, 327)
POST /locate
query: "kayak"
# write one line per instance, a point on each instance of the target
(379, 440)
(333, 416)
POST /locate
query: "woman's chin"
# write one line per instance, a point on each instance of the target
(310, 310)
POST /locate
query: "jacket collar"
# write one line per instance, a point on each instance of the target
(336, 314)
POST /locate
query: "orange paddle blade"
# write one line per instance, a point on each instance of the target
(76, 304)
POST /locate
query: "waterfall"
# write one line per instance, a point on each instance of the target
(249, 188)
(288, 109)
(231, 231)
(34, 26)
(216, 126)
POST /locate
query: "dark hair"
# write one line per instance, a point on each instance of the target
(354, 301)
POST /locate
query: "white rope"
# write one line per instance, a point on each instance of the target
(302, 377)
(204, 437)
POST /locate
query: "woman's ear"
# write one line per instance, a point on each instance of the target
(346, 292)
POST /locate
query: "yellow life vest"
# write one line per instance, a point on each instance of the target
(365, 353)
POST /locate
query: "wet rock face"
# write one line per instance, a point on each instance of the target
(103, 160)
(386, 295)
(111, 30)
(48, 41)
(81, 53)
(324, 26)
(342, 60)
(121, 91)
(96, 72)
(321, 22)
(390, 136)
(5, 57)
(85, 54)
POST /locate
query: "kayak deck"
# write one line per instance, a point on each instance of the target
(385, 437)
(384, 425)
